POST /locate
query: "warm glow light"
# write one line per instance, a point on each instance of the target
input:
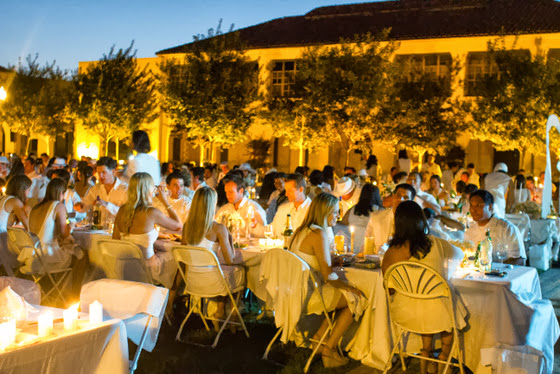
(3, 94)
(70, 316)
(88, 150)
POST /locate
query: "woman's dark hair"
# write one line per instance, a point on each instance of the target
(484, 195)
(316, 177)
(460, 186)
(403, 154)
(520, 181)
(372, 160)
(141, 141)
(411, 226)
(87, 171)
(300, 170)
(328, 173)
(17, 185)
(470, 188)
(397, 177)
(165, 166)
(267, 186)
(17, 169)
(368, 197)
(437, 177)
(55, 187)
(62, 174)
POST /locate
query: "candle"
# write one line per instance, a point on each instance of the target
(3, 190)
(95, 312)
(369, 245)
(351, 239)
(45, 324)
(7, 333)
(70, 316)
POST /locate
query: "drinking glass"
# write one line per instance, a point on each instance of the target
(501, 252)
(268, 232)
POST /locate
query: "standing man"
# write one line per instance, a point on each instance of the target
(209, 177)
(431, 167)
(498, 183)
(502, 231)
(109, 192)
(224, 170)
(249, 210)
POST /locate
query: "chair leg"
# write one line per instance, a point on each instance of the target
(265, 356)
(178, 336)
(310, 359)
(238, 312)
(222, 329)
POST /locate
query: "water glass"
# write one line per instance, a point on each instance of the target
(268, 232)
(501, 252)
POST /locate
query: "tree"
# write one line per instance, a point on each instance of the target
(338, 93)
(38, 101)
(513, 105)
(115, 96)
(422, 114)
(209, 95)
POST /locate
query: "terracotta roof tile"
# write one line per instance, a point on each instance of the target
(408, 19)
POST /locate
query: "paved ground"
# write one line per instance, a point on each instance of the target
(237, 354)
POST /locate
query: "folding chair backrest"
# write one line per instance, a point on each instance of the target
(124, 260)
(416, 280)
(19, 238)
(200, 262)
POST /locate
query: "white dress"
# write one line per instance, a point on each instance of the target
(6, 257)
(331, 295)
(431, 315)
(161, 264)
(55, 255)
(360, 223)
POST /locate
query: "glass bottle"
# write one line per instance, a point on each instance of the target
(96, 215)
(341, 209)
(288, 231)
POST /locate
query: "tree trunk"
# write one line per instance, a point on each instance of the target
(522, 152)
(301, 154)
(212, 152)
(117, 149)
(202, 149)
(421, 153)
(348, 150)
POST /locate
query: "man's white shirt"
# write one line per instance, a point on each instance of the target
(433, 169)
(143, 162)
(297, 215)
(423, 197)
(501, 232)
(347, 204)
(181, 206)
(114, 198)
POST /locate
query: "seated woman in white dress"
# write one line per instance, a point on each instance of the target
(201, 230)
(12, 204)
(411, 242)
(310, 242)
(358, 216)
(135, 222)
(47, 221)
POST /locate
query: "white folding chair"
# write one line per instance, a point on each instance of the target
(141, 306)
(284, 264)
(20, 240)
(421, 282)
(124, 260)
(197, 260)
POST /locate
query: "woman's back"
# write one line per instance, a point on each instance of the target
(4, 214)
(42, 221)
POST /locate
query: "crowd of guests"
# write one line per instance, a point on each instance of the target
(47, 196)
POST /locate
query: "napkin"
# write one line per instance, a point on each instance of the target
(12, 305)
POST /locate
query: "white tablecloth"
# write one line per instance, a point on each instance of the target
(87, 240)
(102, 348)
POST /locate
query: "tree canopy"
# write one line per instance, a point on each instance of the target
(116, 97)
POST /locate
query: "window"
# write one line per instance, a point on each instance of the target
(12, 136)
(177, 75)
(283, 77)
(479, 65)
(435, 66)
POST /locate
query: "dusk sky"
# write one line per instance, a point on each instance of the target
(70, 31)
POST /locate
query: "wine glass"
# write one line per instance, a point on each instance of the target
(268, 232)
(501, 252)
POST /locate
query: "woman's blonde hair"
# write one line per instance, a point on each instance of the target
(319, 211)
(140, 191)
(201, 216)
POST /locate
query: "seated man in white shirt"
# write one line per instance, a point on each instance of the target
(381, 223)
(197, 178)
(424, 199)
(180, 203)
(348, 192)
(109, 192)
(502, 231)
(297, 207)
(250, 211)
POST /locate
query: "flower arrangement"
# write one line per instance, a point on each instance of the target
(531, 208)
(232, 220)
(388, 188)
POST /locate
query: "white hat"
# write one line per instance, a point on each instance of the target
(4, 160)
(246, 167)
(344, 186)
(500, 166)
(59, 161)
(223, 163)
(362, 173)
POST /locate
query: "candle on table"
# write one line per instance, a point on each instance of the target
(45, 323)
(3, 190)
(95, 312)
(70, 316)
(7, 333)
(351, 239)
